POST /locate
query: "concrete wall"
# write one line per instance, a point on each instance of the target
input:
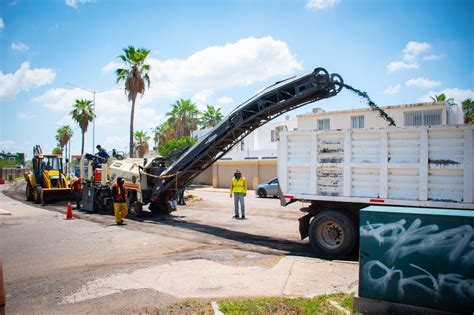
(255, 172)
(342, 119)
(205, 178)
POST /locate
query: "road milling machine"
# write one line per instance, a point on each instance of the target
(158, 181)
(46, 182)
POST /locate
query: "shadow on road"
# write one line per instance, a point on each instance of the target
(288, 247)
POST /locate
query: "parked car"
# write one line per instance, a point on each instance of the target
(270, 188)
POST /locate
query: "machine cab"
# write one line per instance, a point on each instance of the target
(49, 164)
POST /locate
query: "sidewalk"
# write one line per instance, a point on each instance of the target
(212, 189)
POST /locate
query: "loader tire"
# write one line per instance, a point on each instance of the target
(29, 192)
(38, 195)
(332, 234)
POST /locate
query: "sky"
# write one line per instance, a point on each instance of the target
(220, 53)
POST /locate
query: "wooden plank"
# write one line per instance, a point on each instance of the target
(423, 171)
(383, 188)
(468, 161)
(347, 177)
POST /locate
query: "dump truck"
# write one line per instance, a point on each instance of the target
(46, 182)
(339, 172)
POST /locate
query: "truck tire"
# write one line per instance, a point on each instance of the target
(332, 234)
(262, 193)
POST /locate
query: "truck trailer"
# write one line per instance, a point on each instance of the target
(339, 172)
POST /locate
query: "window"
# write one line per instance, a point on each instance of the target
(242, 144)
(423, 117)
(323, 124)
(273, 136)
(357, 122)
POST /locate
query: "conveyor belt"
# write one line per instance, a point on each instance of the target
(266, 105)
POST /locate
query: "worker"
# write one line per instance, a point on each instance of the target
(76, 188)
(102, 153)
(238, 187)
(120, 203)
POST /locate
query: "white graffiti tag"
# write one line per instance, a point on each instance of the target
(433, 286)
(456, 243)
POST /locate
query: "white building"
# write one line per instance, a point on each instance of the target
(418, 114)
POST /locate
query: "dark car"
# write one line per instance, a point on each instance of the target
(270, 188)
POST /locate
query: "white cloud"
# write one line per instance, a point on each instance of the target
(401, 65)
(413, 49)
(24, 79)
(242, 63)
(458, 95)
(111, 66)
(2, 25)
(201, 98)
(224, 100)
(432, 57)
(321, 4)
(25, 115)
(6, 145)
(392, 89)
(115, 142)
(423, 83)
(75, 3)
(19, 46)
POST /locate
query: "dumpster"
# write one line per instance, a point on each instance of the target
(418, 256)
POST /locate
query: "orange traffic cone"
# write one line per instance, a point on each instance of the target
(69, 212)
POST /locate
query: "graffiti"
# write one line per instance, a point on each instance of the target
(423, 280)
(457, 243)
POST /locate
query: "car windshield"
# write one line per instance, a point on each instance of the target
(274, 181)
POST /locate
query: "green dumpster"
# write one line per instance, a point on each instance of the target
(418, 256)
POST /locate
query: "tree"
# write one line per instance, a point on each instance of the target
(163, 133)
(176, 145)
(63, 136)
(183, 117)
(211, 117)
(468, 109)
(57, 150)
(135, 74)
(442, 98)
(141, 139)
(83, 114)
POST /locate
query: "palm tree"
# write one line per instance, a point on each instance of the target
(63, 136)
(211, 117)
(183, 117)
(164, 132)
(57, 150)
(141, 139)
(442, 98)
(135, 74)
(83, 113)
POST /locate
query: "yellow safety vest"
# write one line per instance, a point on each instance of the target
(238, 185)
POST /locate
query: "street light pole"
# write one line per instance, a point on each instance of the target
(94, 92)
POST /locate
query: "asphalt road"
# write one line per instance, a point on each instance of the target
(90, 265)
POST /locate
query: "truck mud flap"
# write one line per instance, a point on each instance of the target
(304, 225)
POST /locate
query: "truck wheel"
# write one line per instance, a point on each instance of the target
(162, 207)
(38, 195)
(332, 233)
(29, 192)
(262, 193)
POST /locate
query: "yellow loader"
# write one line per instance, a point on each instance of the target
(46, 182)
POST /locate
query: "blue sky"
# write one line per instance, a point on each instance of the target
(219, 53)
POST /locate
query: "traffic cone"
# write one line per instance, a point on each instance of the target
(69, 212)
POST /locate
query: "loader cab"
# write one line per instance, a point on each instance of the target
(46, 163)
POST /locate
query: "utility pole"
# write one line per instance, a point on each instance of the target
(94, 92)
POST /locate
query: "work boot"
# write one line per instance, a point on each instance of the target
(235, 217)
(243, 217)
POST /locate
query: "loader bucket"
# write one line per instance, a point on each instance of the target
(56, 194)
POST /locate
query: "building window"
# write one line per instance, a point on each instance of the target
(323, 124)
(242, 144)
(357, 122)
(423, 117)
(273, 136)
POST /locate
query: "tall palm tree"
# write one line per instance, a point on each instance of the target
(141, 139)
(184, 117)
(83, 114)
(63, 136)
(164, 132)
(135, 74)
(211, 117)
